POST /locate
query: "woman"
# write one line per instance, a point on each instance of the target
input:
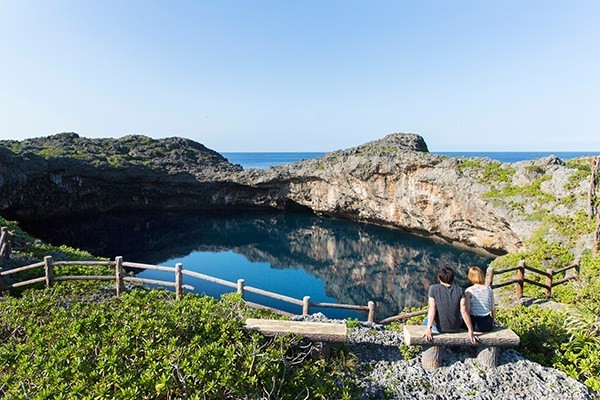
(480, 301)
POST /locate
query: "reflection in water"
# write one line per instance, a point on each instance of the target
(354, 262)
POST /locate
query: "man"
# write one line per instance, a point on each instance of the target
(446, 303)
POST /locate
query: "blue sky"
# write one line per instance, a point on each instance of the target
(305, 75)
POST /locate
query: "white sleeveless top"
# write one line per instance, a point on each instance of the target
(481, 300)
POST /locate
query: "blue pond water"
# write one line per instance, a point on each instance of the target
(295, 254)
(289, 253)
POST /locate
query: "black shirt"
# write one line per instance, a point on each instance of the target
(447, 306)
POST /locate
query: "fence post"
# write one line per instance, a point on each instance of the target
(240, 287)
(178, 281)
(592, 188)
(520, 278)
(4, 247)
(49, 271)
(489, 276)
(597, 235)
(371, 317)
(120, 287)
(548, 290)
(306, 305)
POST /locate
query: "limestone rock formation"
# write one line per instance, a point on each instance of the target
(65, 174)
(393, 182)
(390, 183)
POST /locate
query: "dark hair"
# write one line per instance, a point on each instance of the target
(446, 275)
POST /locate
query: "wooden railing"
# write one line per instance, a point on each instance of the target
(120, 277)
(5, 243)
(519, 281)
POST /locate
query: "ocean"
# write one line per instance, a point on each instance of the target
(264, 160)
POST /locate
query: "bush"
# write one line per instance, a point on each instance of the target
(62, 342)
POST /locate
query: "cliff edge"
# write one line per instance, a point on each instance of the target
(393, 181)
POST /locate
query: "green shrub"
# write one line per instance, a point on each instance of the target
(542, 331)
(63, 343)
(352, 322)
(554, 339)
(569, 341)
(535, 169)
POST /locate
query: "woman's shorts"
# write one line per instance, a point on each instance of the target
(482, 324)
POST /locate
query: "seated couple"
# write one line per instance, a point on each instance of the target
(448, 302)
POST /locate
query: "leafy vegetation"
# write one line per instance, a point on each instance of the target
(62, 342)
(373, 149)
(531, 190)
(76, 340)
(582, 172)
(569, 341)
(552, 338)
(490, 172)
(129, 151)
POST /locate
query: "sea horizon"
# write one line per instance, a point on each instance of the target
(266, 159)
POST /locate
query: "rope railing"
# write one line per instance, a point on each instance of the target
(120, 277)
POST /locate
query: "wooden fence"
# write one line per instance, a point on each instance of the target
(5, 243)
(120, 277)
(519, 281)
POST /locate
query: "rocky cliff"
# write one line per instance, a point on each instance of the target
(65, 174)
(477, 202)
(393, 181)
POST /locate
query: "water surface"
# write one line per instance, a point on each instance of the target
(295, 254)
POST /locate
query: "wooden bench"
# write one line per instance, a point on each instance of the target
(319, 332)
(488, 341)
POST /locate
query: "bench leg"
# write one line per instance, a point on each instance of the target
(321, 350)
(488, 357)
(431, 357)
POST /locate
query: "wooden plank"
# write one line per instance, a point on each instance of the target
(25, 283)
(318, 331)
(497, 285)
(537, 271)
(20, 269)
(148, 266)
(535, 283)
(340, 306)
(504, 270)
(149, 281)
(558, 271)
(560, 282)
(209, 278)
(85, 263)
(405, 315)
(273, 295)
(85, 278)
(273, 310)
(501, 337)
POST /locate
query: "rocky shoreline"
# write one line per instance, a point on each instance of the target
(384, 373)
(475, 202)
(392, 182)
